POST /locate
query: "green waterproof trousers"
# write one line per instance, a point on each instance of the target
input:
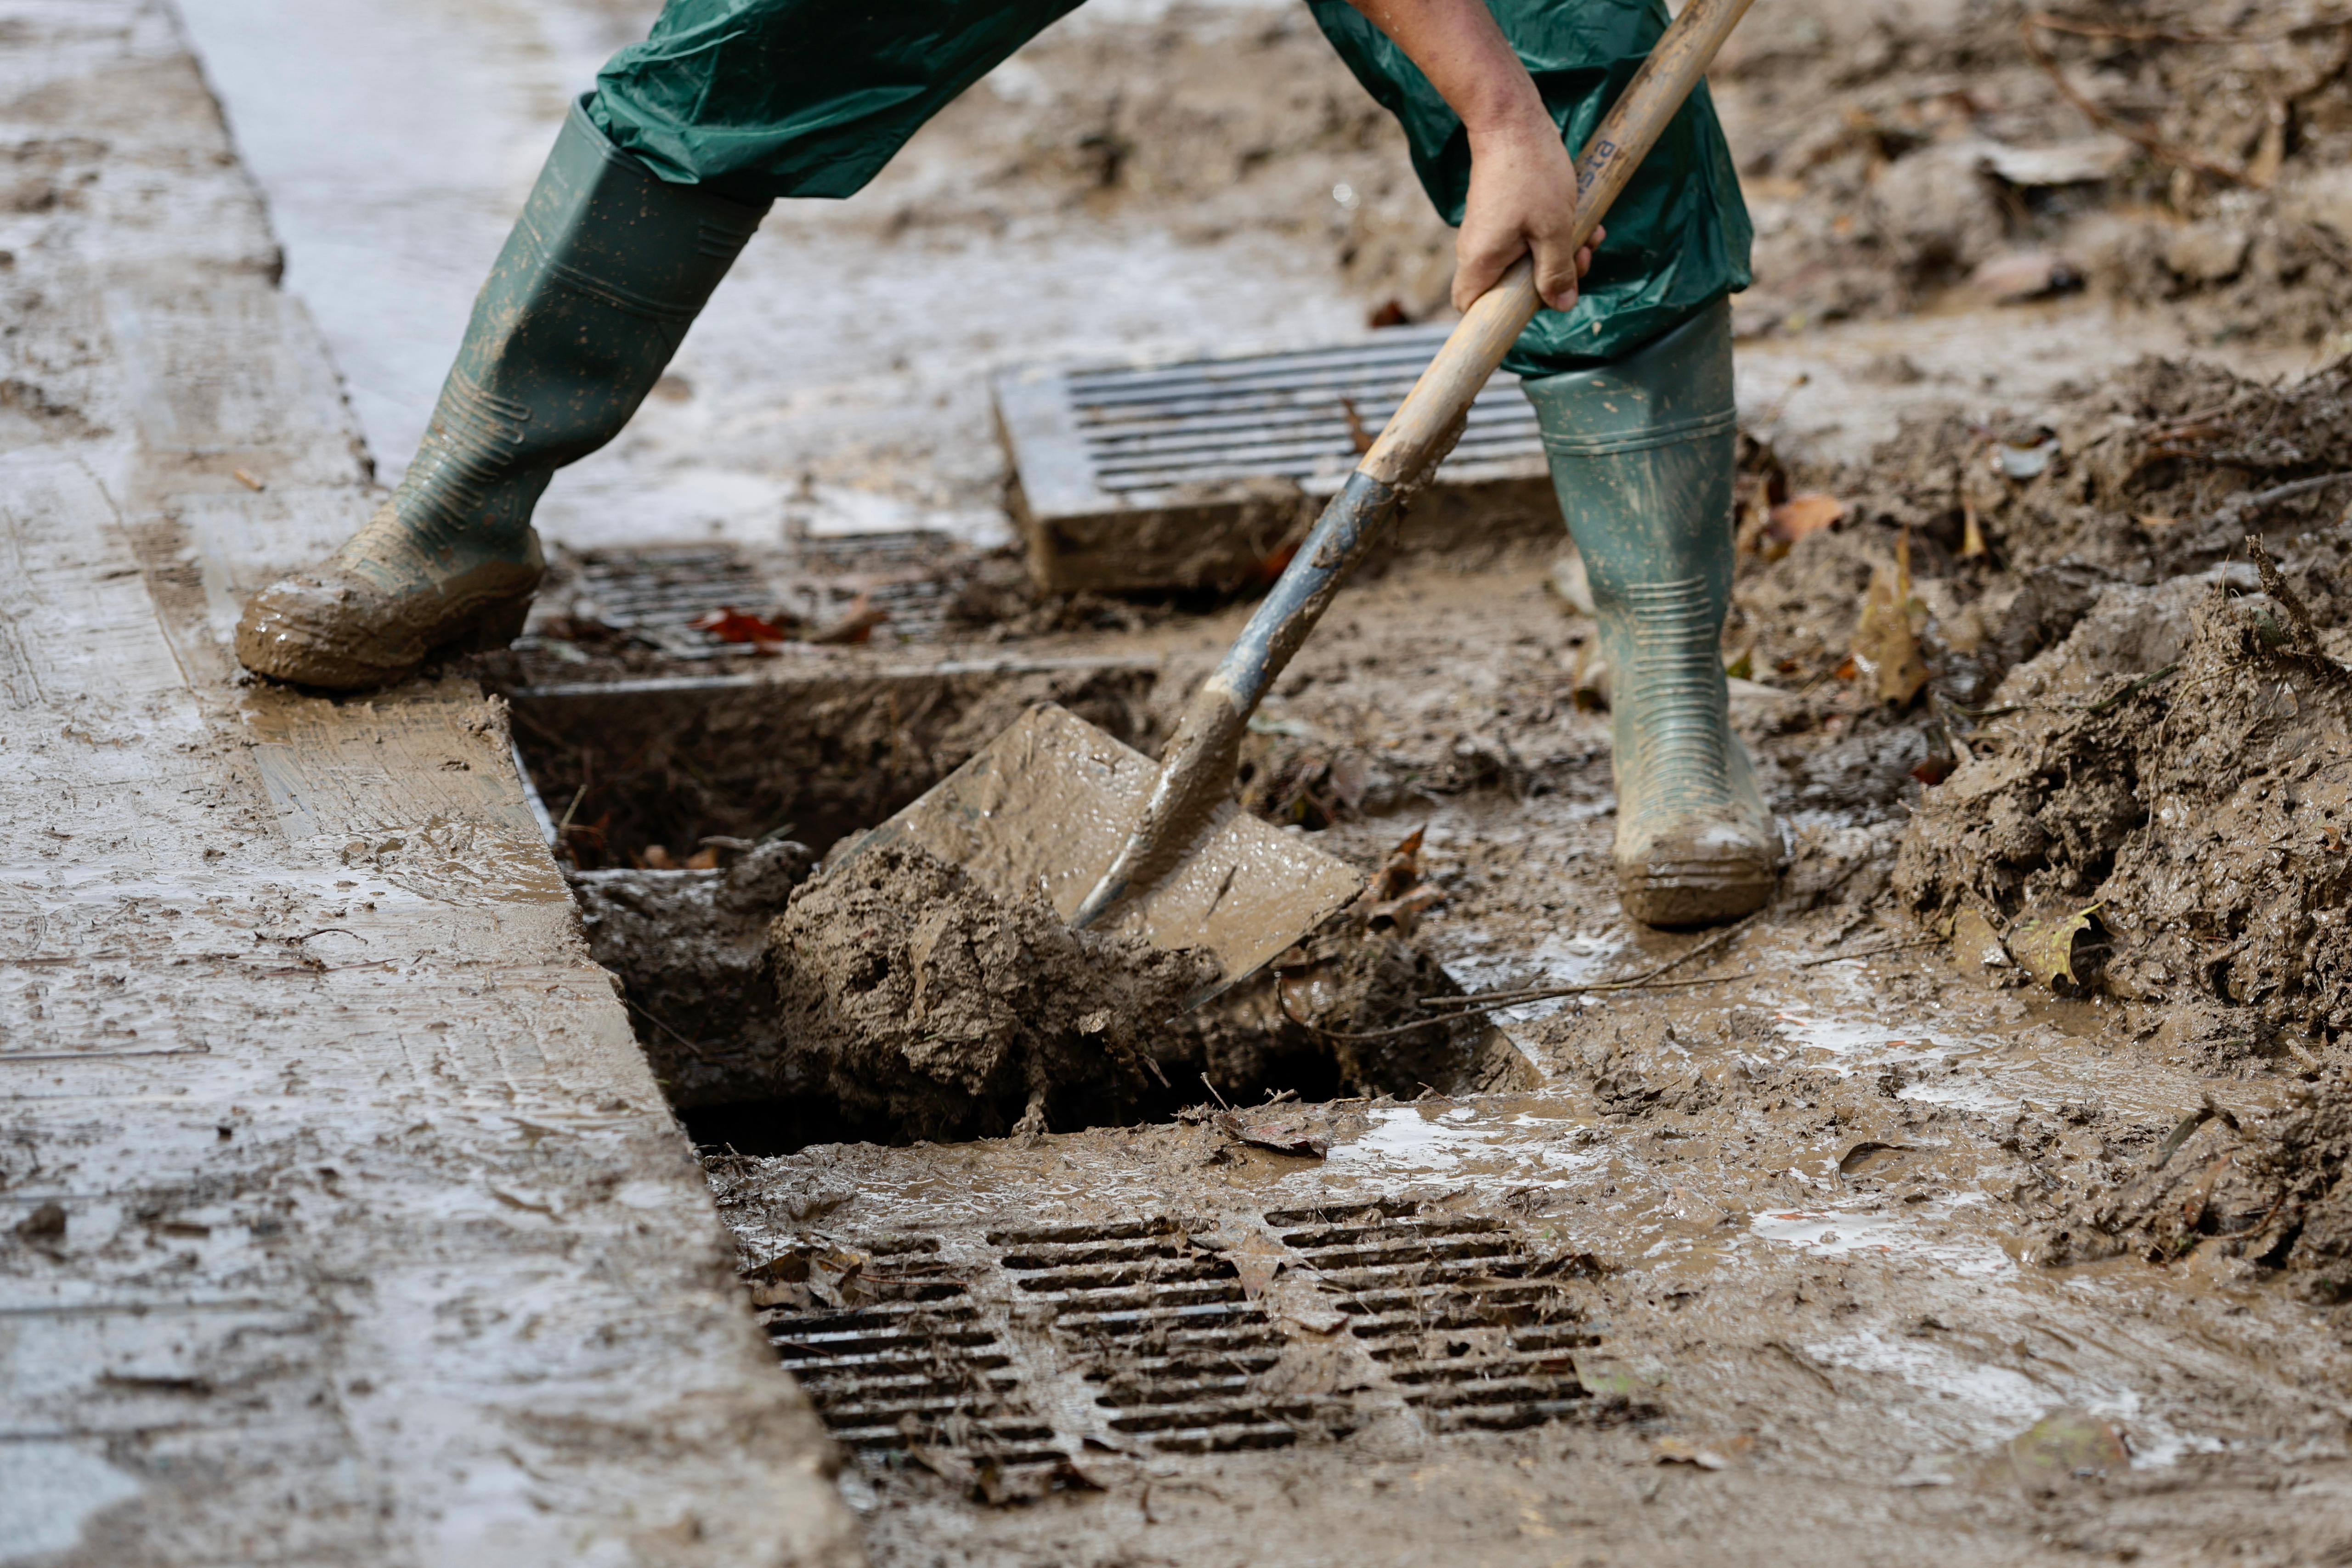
(764, 99)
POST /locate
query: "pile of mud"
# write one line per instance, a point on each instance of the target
(2271, 1193)
(941, 1007)
(2136, 735)
(2190, 807)
(892, 999)
(2158, 473)
(948, 1012)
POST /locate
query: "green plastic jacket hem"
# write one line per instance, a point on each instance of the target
(768, 99)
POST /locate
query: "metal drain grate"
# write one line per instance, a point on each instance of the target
(1005, 1353)
(1163, 1333)
(1129, 476)
(658, 593)
(901, 1356)
(1453, 1311)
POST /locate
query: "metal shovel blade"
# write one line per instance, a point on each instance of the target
(1042, 810)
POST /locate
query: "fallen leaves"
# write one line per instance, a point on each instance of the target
(770, 633)
(1283, 1136)
(1256, 1253)
(1798, 518)
(1975, 940)
(729, 624)
(2066, 1445)
(2044, 943)
(1886, 643)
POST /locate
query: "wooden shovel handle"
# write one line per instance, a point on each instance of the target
(1413, 440)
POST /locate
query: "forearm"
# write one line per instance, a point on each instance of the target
(1522, 195)
(1466, 58)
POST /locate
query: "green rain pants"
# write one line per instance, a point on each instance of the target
(767, 98)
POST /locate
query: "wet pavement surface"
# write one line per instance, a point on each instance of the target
(1743, 1269)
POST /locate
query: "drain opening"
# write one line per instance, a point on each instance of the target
(686, 811)
(894, 1354)
(1137, 1338)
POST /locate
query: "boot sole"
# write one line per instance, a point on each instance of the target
(300, 663)
(1676, 898)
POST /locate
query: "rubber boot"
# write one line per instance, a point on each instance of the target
(1642, 456)
(605, 271)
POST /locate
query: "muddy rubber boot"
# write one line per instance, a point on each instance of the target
(605, 271)
(1642, 456)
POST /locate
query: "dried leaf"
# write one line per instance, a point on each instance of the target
(1297, 1300)
(1799, 517)
(855, 626)
(729, 624)
(1972, 539)
(1257, 1256)
(1402, 911)
(1887, 643)
(1282, 1136)
(2065, 1445)
(1864, 1154)
(2043, 945)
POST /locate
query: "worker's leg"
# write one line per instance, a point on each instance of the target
(1632, 389)
(654, 184)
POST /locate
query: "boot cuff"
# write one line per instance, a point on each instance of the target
(1674, 389)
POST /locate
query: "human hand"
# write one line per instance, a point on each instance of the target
(1522, 199)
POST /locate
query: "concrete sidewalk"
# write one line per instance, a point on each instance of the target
(340, 1220)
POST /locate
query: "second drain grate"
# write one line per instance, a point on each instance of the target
(1011, 1353)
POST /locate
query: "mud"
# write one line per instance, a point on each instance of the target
(2193, 816)
(759, 1012)
(1918, 159)
(947, 1010)
(1795, 1210)
(2252, 1196)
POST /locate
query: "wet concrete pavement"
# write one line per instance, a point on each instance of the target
(340, 1221)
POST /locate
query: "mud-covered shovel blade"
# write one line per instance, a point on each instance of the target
(1043, 809)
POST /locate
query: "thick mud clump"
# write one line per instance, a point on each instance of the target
(2175, 783)
(926, 1004)
(949, 1011)
(2271, 1193)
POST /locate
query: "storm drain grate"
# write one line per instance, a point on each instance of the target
(1172, 476)
(658, 593)
(1453, 1309)
(894, 1352)
(1164, 1333)
(1142, 1336)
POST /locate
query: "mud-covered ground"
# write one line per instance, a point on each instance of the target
(1977, 1203)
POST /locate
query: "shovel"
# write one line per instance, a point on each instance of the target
(1055, 808)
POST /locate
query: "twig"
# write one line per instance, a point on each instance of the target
(2132, 690)
(2237, 512)
(1868, 952)
(1546, 993)
(692, 1049)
